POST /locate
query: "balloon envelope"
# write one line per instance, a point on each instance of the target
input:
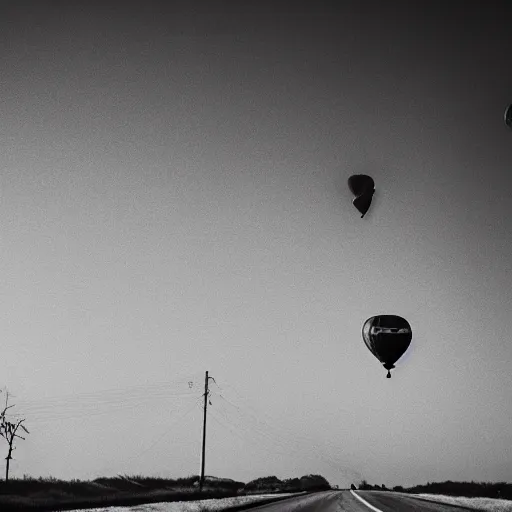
(508, 116)
(360, 184)
(387, 337)
(363, 202)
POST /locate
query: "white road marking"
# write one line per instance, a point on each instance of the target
(371, 507)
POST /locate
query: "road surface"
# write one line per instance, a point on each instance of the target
(346, 501)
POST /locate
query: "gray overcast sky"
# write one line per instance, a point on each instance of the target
(174, 200)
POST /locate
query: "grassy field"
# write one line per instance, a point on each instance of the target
(487, 504)
(45, 494)
(214, 505)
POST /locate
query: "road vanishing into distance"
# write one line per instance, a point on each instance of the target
(358, 501)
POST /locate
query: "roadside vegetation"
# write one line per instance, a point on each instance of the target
(45, 494)
(483, 504)
(485, 496)
(497, 490)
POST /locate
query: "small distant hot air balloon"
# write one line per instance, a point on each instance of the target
(363, 187)
(387, 337)
(508, 116)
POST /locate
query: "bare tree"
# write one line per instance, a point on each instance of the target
(8, 430)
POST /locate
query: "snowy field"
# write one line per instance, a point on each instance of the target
(488, 504)
(189, 506)
(485, 504)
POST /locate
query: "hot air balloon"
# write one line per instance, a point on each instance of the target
(387, 337)
(508, 116)
(363, 187)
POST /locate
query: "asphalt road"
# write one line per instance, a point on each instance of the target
(345, 501)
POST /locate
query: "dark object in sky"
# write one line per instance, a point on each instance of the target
(362, 203)
(360, 183)
(387, 337)
(508, 116)
(363, 187)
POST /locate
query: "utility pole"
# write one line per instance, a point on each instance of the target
(206, 379)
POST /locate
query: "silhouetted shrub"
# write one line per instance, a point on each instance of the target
(314, 483)
(472, 489)
(310, 483)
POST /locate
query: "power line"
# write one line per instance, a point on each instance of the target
(280, 430)
(290, 448)
(308, 447)
(189, 382)
(41, 409)
(81, 415)
(77, 404)
(252, 440)
(158, 438)
(247, 419)
(271, 438)
(83, 410)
